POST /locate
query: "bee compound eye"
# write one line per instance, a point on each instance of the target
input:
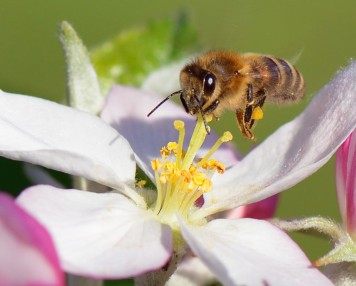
(209, 83)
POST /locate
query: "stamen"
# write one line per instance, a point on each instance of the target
(172, 147)
(180, 182)
(227, 136)
(156, 165)
(164, 152)
(179, 125)
(196, 142)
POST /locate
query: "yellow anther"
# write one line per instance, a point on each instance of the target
(192, 169)
(165, 152)
(156, 165)
(208, 164)
(141, 183)
(163, 179)
(220, 168)
(186, 175)
(169, 166)
(227, 136)
(172, 146)
(199, 178)
(257, 113)
(178, 124)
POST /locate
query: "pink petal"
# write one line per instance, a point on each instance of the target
(27, 253)
(100, 235)
(345, 169)
(126, 110)
(251, 252)
(260, 210)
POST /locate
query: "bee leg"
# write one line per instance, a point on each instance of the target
(250, 100)
(208, 110)
(260, 100)
(243, 125)
(212, 107)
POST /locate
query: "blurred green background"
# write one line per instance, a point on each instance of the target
(321, 34)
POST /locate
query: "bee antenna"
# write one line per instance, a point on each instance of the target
(163, 101)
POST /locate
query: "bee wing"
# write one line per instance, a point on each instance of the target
(294, 59)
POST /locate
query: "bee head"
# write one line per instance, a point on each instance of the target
(197, 85)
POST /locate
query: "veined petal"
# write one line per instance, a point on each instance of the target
(99, 235)
(191, 271)
(126, 110)
(251, 252)
(27, 253)
(62, 138)
(345, 169)
(294, 151)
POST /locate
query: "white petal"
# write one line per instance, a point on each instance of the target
(126, 110)
(294, 151)
(251, 252)
(191, 272)
(99, 235)
(61, 138)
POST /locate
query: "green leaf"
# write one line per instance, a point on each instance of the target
(132, 55)
(83, 89)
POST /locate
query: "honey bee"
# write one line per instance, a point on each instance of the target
(242, 83)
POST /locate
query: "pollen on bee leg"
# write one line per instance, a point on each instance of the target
(257, 113)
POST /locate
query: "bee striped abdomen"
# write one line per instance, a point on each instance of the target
(283, 83)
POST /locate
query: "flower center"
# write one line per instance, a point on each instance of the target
(181, 181)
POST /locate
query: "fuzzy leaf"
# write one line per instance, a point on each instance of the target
(82, 83)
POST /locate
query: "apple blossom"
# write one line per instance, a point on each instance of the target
(27, 253)
(137, 232)
(133, 231)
